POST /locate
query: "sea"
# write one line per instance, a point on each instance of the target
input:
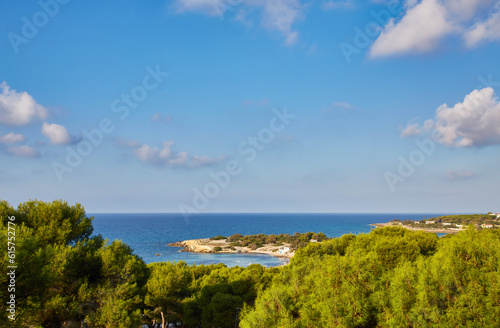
(149, 234)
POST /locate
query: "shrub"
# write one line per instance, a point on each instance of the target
(235, 237)
(218, 238)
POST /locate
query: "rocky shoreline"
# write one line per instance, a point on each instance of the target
(224, 247)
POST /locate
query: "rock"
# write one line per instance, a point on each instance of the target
(177, 244)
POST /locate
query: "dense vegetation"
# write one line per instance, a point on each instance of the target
(454, 221)
(64, 275)
(390, 277)
(295, 241)
(465, 219)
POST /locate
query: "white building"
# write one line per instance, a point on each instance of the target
(284, 249)
(430, 222)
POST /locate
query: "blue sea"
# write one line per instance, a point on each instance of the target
(149, 234)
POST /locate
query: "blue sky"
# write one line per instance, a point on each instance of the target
(350, 106)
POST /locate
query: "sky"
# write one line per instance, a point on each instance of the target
(207, 106)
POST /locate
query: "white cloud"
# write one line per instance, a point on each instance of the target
(153, 155)
(165, 156)
(411, 130)
(464, 10)
(473, 122)
(200, 161)
(11, 138)
(280, 15)
(276, 15)
(18, 108)
(180, 160)
(23, 151)
(426, 23)
(161, 118)
(209, 7)
(420, 30)
(145, 153)
(338, 105)
(57, 134)
(488, 30)
(459, 175)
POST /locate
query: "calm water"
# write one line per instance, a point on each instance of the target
(149, 234)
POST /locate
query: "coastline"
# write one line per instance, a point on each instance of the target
(206, 245)
(394, 224)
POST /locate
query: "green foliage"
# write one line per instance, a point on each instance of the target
(202, 295)
(298, 240)
(218, 238)
(64, 275)
(391, 277)
(234, 238)
(120, 292)
(55, 223)
(453, 220)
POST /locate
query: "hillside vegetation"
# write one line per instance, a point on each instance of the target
(295, 241)
(455, 221)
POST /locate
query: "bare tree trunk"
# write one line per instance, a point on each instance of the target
(162, 320)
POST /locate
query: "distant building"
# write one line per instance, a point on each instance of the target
(313, 241)
(430, 222)
(447, 223)
(486, 226)
(284, 249)
(460, 226)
